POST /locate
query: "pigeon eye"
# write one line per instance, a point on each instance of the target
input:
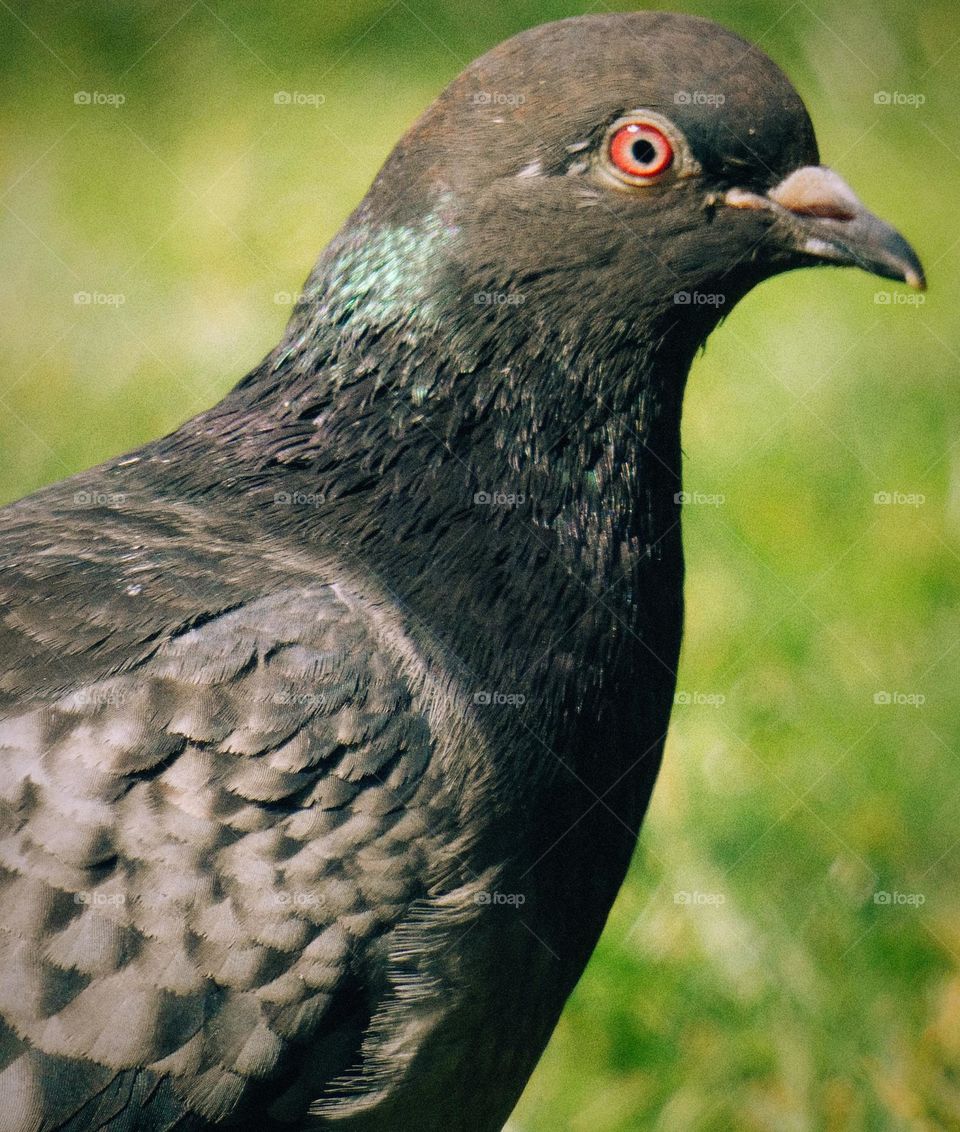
(639, 152)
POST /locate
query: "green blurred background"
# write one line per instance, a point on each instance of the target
(784, 956)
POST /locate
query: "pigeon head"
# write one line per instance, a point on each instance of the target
(519, 296)
(624, 166)
(511, 314)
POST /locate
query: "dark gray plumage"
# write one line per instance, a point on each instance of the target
(267, 858)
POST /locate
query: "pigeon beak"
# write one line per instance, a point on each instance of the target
(831, 224)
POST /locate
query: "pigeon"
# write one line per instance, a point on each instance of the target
(328, 722)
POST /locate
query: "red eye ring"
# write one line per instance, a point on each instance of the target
(639, 152)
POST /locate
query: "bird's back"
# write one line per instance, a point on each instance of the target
(226, 836)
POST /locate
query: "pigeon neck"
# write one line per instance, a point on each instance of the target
(525, 473)
(405, 419)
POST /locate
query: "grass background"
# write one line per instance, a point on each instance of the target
(785, 996)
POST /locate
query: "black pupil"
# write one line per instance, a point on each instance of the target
(643, 151)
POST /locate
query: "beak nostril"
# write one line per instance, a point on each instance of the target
(817, 191)
(824, 210)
